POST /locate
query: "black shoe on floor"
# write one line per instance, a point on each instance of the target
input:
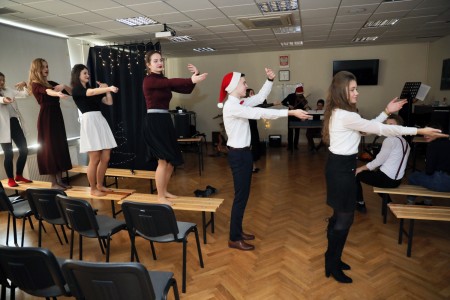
(361, 207)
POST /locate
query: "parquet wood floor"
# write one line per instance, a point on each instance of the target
(287, 213)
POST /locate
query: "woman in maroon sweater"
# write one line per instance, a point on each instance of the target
(159, 132)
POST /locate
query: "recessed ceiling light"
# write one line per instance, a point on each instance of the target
(291, 44)
(181, 39)
(137, 21)
(356, 10)
(380, 23)
(277, 6)
(365, 39)
(204, 49)
(285, 30)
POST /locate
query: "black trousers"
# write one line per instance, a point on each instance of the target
(293, 139)
(376, 179)
(241, 163)
(19, 139)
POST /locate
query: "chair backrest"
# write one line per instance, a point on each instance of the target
(33, 270)
(5, 204)
(43, 203)
(78, 215)
(150, 220)
(108, 281)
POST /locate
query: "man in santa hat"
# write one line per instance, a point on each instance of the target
(236, 112)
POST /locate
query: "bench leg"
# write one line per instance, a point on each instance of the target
(384, 209)
(206, 224)
(410, 237)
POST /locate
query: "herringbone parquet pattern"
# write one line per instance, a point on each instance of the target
(287, 213)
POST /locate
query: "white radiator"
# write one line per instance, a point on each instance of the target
(31, 169)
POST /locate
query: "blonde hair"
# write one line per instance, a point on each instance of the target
(35, 74)
(337, 98)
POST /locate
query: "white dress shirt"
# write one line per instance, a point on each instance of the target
(346, 127)
(390, 157)
(236, 115)
(8, 111)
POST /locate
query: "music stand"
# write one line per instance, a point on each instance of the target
(409, 93)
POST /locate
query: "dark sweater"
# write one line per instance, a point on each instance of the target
(158, 89)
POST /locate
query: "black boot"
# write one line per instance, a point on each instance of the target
(331, 222)
(336, 243)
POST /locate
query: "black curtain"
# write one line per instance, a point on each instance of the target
(124, 67)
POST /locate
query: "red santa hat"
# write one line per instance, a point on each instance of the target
(229, 82)
(299, 89)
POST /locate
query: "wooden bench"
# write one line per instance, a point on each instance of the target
(113, 172)
(82, 192)
(405, 189)
(203, 205)
(414, 212)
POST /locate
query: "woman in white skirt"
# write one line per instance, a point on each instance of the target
(96, 137)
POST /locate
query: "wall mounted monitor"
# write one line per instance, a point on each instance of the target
(366, 71)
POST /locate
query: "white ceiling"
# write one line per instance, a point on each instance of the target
(215, 23)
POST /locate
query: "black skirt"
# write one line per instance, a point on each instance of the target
(160, 139)
(341, 181)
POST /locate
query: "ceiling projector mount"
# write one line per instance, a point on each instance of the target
(166, 33)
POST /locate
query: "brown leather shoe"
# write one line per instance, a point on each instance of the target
(241, 245)
(247, 236)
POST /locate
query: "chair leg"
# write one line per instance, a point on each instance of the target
(64, 233)
(31, 223)
(7, 230)
(15, 231)
(100, 241)
(57, 234)
(40, 233)
(71, 243)
(183, 284)
(133, 250)
(174, 285)
(199, 250)
(108, 244)
(80, 246)
(153, 250)
(23, 230)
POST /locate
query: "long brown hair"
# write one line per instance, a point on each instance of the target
(35, 75)
(337, 98)
(75, 75)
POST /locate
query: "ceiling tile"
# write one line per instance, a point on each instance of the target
(241, 10)
(85, 17)
(184, 5)
(152, 9)
(55, 7)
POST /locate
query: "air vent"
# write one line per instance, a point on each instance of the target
(81, 34)
(5, 11)
(268, 21)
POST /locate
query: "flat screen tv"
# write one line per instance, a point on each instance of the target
(366, 70)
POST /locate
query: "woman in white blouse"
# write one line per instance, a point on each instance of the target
(11, 130)
(342, 131)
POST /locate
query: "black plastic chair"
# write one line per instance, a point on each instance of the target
(105, 281)
(43, 204)
(157, 223)
(35, 271)
(16, 210)
(80, 217)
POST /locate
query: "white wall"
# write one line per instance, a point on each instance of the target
(312, 67)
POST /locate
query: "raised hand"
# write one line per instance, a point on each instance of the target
(113, 89)
(62, 95)
(20, 85)
(270, 74)
(7, 100)
(102, 85)
(395, 105)
(193, 69)
(197, 78)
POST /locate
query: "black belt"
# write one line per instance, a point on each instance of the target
(240, 149)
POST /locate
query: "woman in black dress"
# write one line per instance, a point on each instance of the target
(53, 154)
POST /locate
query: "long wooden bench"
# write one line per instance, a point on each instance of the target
(415, 212)
(203, 205)
(126, 173)
(405, 189)
(82, 192)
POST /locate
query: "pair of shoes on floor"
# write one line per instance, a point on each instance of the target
(205, 193)
(255, 170)
(361, 207)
